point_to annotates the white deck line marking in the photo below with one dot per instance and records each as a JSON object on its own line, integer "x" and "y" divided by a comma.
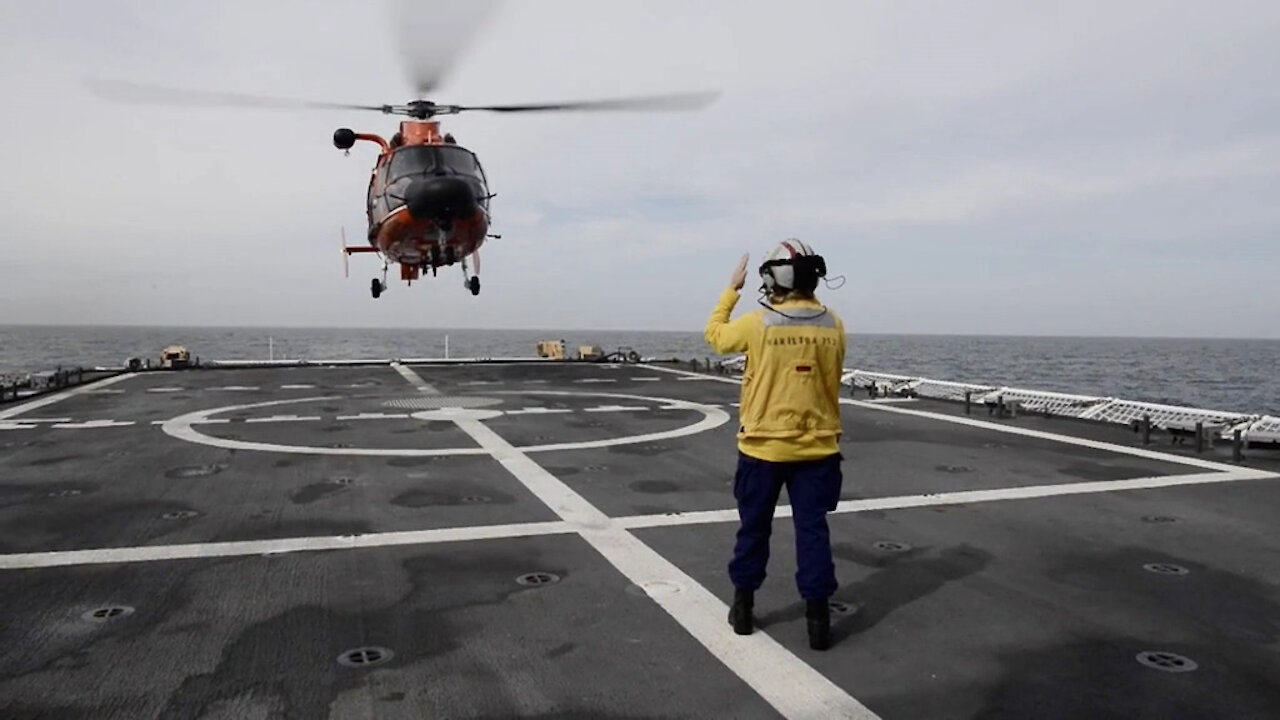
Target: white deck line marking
{"x": 539, "y": 411}
{"x": 616, "y": 408}
{"x": 597, "y": 380}
{"x": 90, "y": 424}
{"x": 487, "y": 532}
{"x": 284, "y": 418}
{"x": 16, "y": 426}
{"x": 147, "y": 553}
{"x": 298, "y": 386}
{"x": 1010, "y": 429}
{"x": 785, "y": 681}
{"x": 415, "y": 379}
{"x": 962, "y": 497}
{"x": 374, "y": 416}
{"x": 59, "y": 397}
{"x": 645, "y": 378}
{"x": 788, "y": 684}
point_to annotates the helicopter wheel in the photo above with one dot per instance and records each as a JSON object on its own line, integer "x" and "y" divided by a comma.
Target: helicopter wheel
{"x": 375, "y": 288}
{"x": 474, "y": 285}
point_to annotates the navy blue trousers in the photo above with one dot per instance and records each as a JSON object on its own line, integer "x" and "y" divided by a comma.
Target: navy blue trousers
{"x": 813, "y": 487}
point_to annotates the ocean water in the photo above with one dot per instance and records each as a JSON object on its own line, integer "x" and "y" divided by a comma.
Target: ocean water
{"x": 1219, "y": 374}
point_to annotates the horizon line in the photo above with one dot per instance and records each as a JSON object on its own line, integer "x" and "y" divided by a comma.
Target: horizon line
{"x": 881, "y": 333}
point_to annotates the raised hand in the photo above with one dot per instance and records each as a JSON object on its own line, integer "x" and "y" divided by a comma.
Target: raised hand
{"x": 739, "y": 277}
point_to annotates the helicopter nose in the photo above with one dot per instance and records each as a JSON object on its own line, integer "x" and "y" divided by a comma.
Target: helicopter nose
{"x": 440, "y": 198}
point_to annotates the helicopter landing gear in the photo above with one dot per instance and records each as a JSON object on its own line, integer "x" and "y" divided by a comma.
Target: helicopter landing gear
{"x": 471, "y": 282}
{"x": 376, "y": 286}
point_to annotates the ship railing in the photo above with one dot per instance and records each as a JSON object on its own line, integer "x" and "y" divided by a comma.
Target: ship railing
{"x": 734, "y": 364}
{"x": 1252, "y": 427}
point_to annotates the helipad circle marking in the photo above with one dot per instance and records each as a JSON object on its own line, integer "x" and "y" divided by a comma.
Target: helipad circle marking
{"x": 181, "y": 427}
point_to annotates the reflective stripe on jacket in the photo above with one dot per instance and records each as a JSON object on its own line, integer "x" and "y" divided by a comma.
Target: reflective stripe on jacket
{"x": 790, "y": 400}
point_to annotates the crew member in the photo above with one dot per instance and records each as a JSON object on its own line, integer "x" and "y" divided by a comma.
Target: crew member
{"x": 789, "y": 428}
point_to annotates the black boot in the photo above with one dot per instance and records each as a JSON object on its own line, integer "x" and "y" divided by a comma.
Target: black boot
{"x": 740, "y": 613}
{"x": 818, "y": 615}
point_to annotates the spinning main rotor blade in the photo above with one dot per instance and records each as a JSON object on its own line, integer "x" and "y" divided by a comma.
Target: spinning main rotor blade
{"x": 122, "y": 91}
{"x": 432, "y": 35}
{"x": 678, "y": 101}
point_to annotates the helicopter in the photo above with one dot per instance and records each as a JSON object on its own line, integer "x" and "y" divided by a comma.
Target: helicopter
{"x": 427, "y": 202}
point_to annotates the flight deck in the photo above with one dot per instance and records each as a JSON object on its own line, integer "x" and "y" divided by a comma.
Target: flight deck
{"x": 550, "y": 539}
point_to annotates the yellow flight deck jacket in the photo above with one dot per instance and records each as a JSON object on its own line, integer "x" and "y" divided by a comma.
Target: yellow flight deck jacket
{"x": 790, "y": 404}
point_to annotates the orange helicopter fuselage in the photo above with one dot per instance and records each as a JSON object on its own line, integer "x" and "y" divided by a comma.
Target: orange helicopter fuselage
{"x": 427, "y": 203}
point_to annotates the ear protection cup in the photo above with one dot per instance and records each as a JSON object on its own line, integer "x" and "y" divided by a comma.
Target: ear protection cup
{"x": 766, "y": 275}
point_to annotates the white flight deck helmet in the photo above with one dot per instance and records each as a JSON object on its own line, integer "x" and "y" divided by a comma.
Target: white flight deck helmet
{"x": 780, "y": 266}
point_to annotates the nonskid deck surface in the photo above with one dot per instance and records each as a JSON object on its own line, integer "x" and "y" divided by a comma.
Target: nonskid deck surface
{"x": 549, "y": 540}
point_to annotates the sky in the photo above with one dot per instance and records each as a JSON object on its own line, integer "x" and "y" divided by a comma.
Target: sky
{"x": 1049, "y": 168}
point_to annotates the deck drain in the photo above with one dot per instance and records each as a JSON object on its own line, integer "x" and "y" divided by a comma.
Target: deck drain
{"x": 839, "y": 608}
{"x": 1158, "y": 519}
{"x": 365, "y": 657}
{"x": 890, "y": 546}
{"x": 65, "y": 493}
{"x": 438, "y": 402}
{"x": 103, "y": 614}
{"x": 180, "y": 515}
{"x": 538, "y": 578}
{"x": 475, "y": 499}
{"x": 1167, "y": 661}
{"x": 953, "y": 468}
{"x": 1165, "y": 569}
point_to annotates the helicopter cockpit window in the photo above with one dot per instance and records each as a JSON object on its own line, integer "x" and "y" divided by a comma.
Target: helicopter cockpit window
{"x": 411, "y": 161}
{"x": 458, "y": 160}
